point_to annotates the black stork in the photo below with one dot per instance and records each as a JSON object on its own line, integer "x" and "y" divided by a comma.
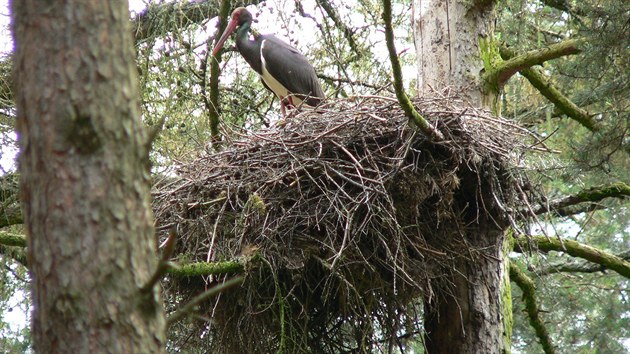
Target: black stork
{"x": 284, "y": 70}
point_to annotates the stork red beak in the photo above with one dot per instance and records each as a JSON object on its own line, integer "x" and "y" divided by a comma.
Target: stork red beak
{"x": 228, "y": 31}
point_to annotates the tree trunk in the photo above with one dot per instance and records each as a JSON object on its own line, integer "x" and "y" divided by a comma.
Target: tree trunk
{"x": 84, "y": 179}
{"x": 469, "y": 316}
{"x": 447, "y": 39}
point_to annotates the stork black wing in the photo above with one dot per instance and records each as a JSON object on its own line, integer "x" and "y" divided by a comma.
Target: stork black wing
{"x": 292, "y": 70}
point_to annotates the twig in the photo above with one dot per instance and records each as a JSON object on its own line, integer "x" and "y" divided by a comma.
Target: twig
{"x": 190, "y": 307}
{"x": 164, "y": 264}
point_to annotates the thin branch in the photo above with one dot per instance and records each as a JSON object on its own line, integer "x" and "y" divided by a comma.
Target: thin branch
{"x": 163, "y": 18}
{"x": 577, "y": 249}
{"x": 547, "y": 89}
{"x": 403, "y": 99}
{"x": 190, "y": 307}
{"x": 347, "y": 31}
{"x": 212, "y": 105}
{"x": 503, "y": 71}
{"x": 592, "y": 196}
{"x": 164, "y": 265}
{"x": 351, "y": 82}
{"x": 531, "y": 307}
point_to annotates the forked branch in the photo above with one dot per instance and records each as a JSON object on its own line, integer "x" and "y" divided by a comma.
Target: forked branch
{"x": 547, "y": 89}
{"x": 505, "y": 70}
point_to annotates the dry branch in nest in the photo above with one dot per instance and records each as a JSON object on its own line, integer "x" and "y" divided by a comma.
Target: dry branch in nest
{"x": 343, "y": 216}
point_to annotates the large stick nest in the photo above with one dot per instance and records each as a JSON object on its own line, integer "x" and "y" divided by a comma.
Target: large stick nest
{"x": 343, "y": 216}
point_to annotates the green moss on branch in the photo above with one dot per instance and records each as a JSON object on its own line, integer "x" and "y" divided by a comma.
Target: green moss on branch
{"x": 591, "y": 195}
{"x": 547, "y": 89}
{"x": 11, "y": 239}
{"x": 577, "y": 249}
{"x": 531, "y": 307}
{"x": 403, "y": 99}
{"x": 208, "y": 268}
{"x": 505, "y": 70}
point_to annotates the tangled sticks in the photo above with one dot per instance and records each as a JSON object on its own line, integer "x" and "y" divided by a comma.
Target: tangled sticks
{"x": 341, "y": 217}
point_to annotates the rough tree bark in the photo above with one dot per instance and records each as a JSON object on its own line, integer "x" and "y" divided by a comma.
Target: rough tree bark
{"x": 470, "y": 319}
{"x": 84, "y": 179}
{"x": 447, "y": 39}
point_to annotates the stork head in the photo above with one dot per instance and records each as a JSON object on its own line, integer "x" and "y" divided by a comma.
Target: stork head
{"x": 239, "y": 17}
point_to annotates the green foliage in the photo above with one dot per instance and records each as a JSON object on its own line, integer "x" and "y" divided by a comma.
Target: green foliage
{"x": 15, "y": 334}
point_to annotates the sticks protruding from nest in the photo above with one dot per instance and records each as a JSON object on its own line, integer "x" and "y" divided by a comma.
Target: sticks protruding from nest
{"x": 352, "y": 211}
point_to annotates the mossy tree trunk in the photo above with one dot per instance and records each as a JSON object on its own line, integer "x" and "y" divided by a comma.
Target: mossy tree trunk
{"x": 84, "y": 179}
{"x": 452, "y": 39}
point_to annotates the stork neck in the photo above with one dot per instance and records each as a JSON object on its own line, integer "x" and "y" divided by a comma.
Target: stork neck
{"x": 250, "y": 50}
{"x": 242, "y": 33}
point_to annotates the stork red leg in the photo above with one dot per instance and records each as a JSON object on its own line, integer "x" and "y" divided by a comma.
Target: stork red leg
{"x": 283, "y": 105}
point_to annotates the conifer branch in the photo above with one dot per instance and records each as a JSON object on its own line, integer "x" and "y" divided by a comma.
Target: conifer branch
{"x": 531, "y": 307}
{"x": 547, "y": 89}
{"x": 166, "y": 17}
{"x": 506, "y": 69}
{"x": 17, "y": 254}
{"x": 10, "y": 215}
{"x": 403, "y": 99}
{"x": 577, "y": 249}
{"x": 593, "y": 195}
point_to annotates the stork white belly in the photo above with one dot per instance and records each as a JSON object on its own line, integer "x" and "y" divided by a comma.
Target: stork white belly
{"x": 273, "y": 84}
